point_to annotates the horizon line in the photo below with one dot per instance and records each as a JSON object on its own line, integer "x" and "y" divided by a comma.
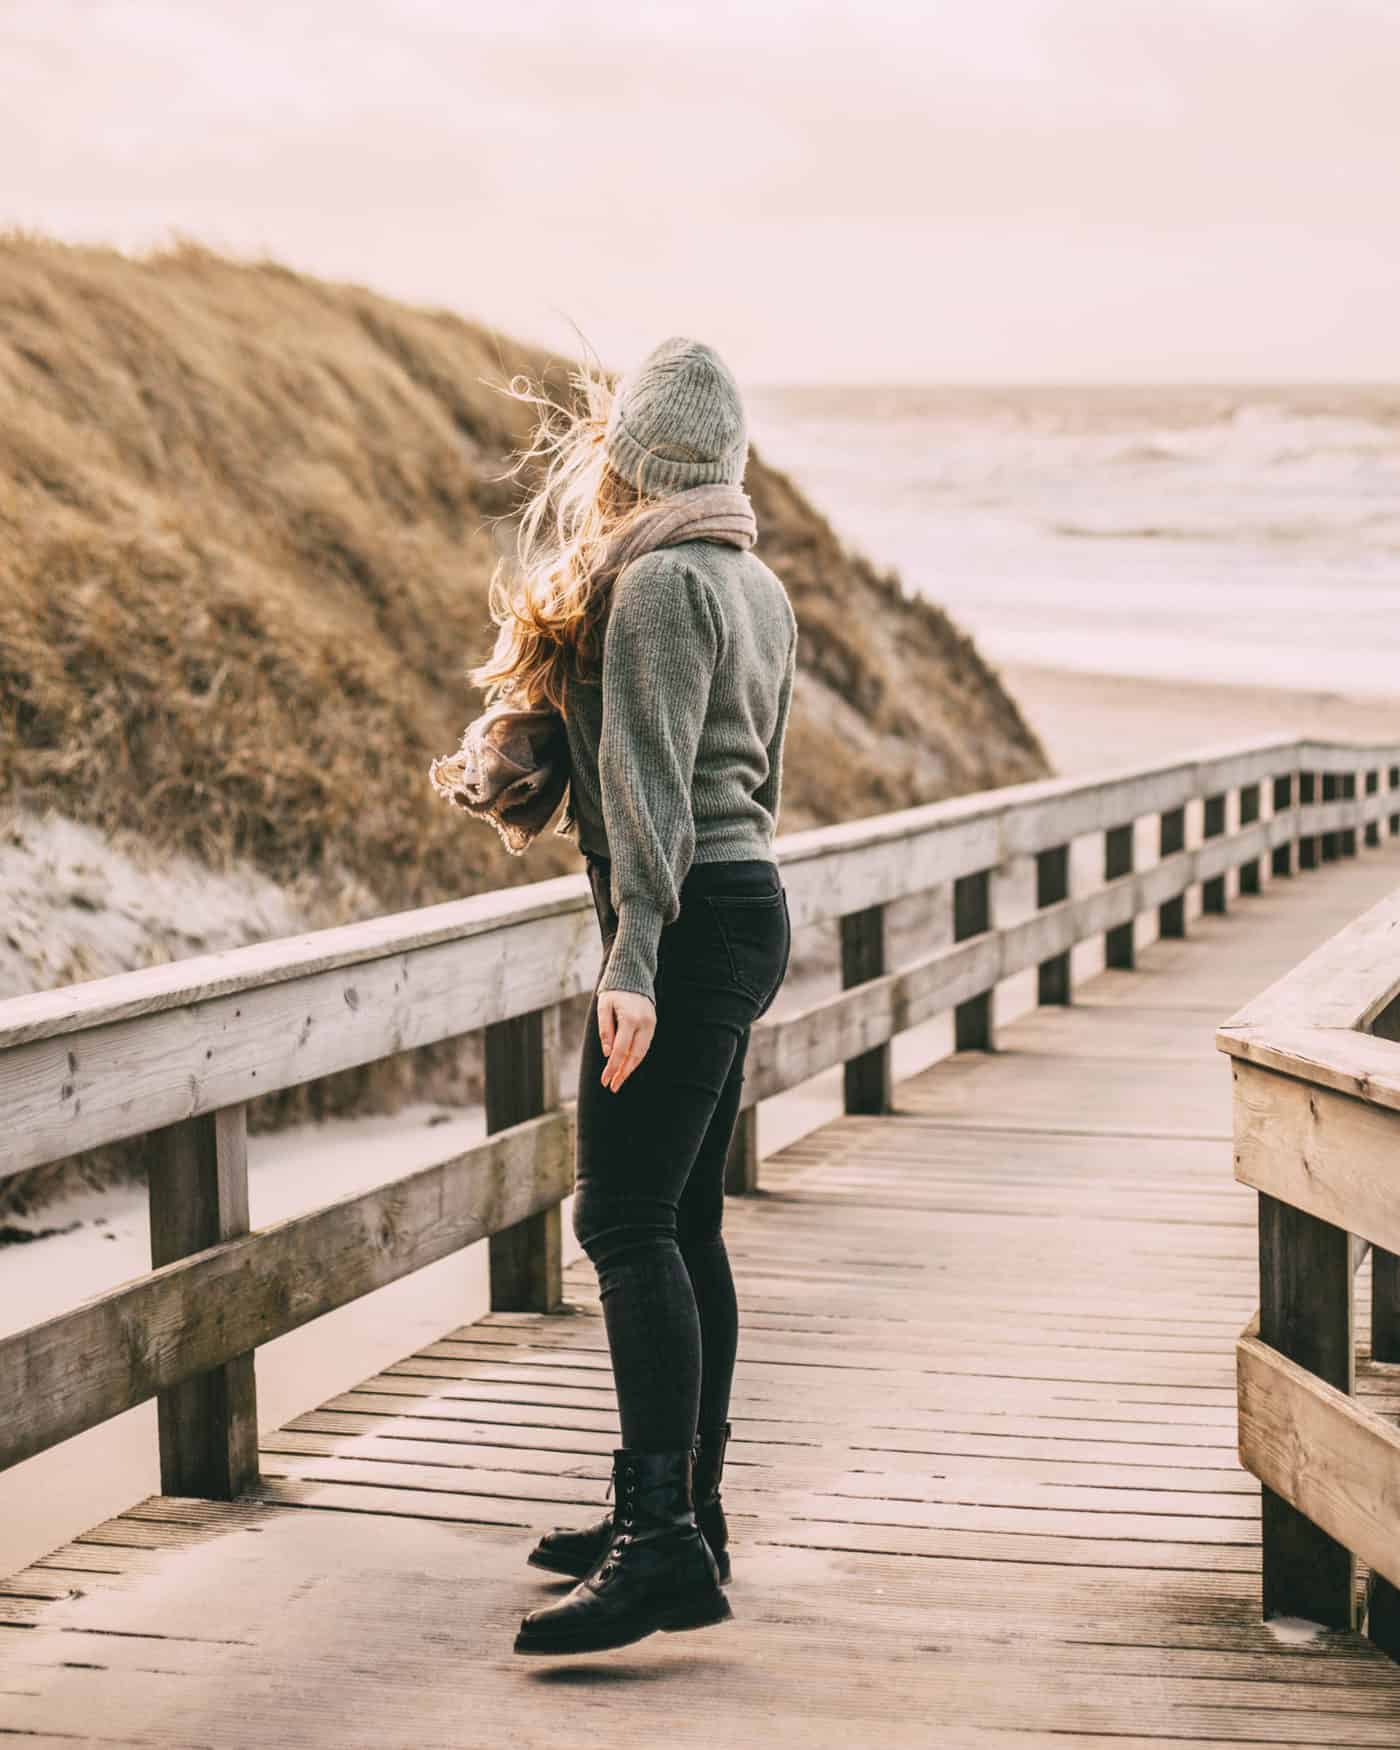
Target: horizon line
{"x": 916, "y": 383}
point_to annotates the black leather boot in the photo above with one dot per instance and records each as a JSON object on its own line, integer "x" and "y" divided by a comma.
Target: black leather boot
{"x": 573, "y": 1551}
{"x": 576, "y": 1551}
{"x": 657, "y": 1572}
{"x": 709, "y": 1514}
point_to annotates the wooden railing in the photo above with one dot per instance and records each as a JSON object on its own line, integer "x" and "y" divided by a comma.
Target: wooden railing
{"x": 1316, "y": 1068}
{"x": 174, "y": 1053}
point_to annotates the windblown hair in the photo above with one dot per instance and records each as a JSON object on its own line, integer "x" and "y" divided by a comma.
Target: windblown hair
{"x": 550, "y": 599}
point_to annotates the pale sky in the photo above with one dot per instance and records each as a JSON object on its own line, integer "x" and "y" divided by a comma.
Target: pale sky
{"x": 871, "y": 190}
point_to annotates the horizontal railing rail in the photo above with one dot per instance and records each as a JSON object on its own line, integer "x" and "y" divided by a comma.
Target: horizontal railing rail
{"x": 1316, "y": 1071}
{"x": 173, "y": 1055}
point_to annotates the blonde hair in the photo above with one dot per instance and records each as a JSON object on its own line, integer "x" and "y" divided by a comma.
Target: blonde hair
{"x": 548, "y": 603}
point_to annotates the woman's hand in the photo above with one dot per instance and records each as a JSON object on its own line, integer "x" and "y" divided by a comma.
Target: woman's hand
{"x": 626, "y": 1022}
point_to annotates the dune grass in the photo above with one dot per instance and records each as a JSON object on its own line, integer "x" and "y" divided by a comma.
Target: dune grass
{"x": 246, "y": 525}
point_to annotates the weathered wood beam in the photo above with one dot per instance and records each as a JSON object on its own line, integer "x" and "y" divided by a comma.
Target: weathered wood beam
{"x": 1119, "y": 860}
{"x": 1053, "y": 984}
{"x": 1326, "y": 1154}
{"x": 118, "y": 1349}
{"x": 1250, "y": 804}
{"x": 197, "y": 1187}
{"x": 972, "y": 917}
{"x": 1171, "y": 838}
{"x": 1305, "y": 1314}
{"x": 868, "y": 1078}
{"x": 1213, "y": 888}
{"x": 522, "y": 1081}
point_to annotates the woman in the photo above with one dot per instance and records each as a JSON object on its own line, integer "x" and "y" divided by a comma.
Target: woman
{"x": 669, "y": 647}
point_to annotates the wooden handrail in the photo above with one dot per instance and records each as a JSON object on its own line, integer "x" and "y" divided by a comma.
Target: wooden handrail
{"x": 174, "y": 1053}
{"x": 118, "y": 1057}
{"x": 1317, "y": 1135}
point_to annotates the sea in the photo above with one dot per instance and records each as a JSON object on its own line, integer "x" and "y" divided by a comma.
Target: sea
{"x": 1239, "y": 534}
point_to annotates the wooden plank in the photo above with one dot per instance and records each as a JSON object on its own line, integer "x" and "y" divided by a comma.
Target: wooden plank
{"x": 1118, "y": 860}
{"x": 118, "y": 1349}
{"x": 741, "y": 1162}
{"x": 1322, "y": 1152}
{"x": 1354, "y": 815}
{"x": 129, "y": 1077}
{"x": 972, "y": 917}
{"x": 1308, "y": 845}
{"x": 522, "y": 1082}
{"x": 1356, "y": 1064}
{"x": 1285, "y": 791}
{"x": 180, "y": 984}
{"x": 198, "y": 1196}
{"x": 1322, "y": 1452}
{"x": 1305, "y": 1314}
{"x": 1053, "y": 985}
{"x": 1343, "y": 756}
{"x": 1213, "y": 888}
{"x": 1345, "y": 983}
{"x": 1382, "y": 1621}
{"x": 833, "y": 871}
{"x": 867, "y": 1077}
{"x": 1171, "y": 913}
{"x": 1385, "y": 1305}
{"x": 1250, "y": 804}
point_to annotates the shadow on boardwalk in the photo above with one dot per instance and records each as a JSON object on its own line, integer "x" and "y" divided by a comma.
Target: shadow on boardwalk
{"x": 983, "y": 1489}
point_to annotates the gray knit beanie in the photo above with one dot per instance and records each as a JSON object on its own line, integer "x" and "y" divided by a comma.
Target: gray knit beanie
{"x": 677, "y": 421}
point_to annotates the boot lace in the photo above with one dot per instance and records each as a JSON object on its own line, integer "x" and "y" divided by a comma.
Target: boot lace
{"x": 622, "y": 1525}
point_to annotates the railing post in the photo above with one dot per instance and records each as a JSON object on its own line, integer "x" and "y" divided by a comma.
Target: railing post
{"x": 1171, "y": 914}
{"x": 972, "y": 916}
{"x": 1053, "y": 983}
{"x": 197, "y": 1184}
{"x": 741, "y": 1162}
{"x": 1383, "y": 1614}
{"x": 1307, "y": 842}
{"x": 1331, "y": 840}
{"x": 1348, "y": 833}
{"x": 1373, "y": 827}
{"x": 1281, "y": 862}
{"x": 1249, "y": 813}
{"x": 1305, "y": 1312}
{"x": 1118, "y": 859}
{"x": 1385, "y": 1266}
{"x": 522, "y": 1080}
{"x": 1383, "y": 1599}
{"x": 1213, "y": 890}
{"x": 1385, "y": 1305}
{"x": 868, "y": 1084}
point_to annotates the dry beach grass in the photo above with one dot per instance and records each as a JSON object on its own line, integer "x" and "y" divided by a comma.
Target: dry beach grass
{"x": 246, "y": 530}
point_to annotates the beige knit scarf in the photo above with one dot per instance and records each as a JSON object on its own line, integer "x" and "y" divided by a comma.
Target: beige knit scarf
{"x": 512, "y": 768}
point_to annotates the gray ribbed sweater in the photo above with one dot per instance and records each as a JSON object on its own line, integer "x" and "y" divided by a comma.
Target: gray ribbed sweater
{"x": 676, "y": 750}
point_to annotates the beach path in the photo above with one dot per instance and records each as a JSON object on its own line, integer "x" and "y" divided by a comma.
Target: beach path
{"x": 983, "y": 1488}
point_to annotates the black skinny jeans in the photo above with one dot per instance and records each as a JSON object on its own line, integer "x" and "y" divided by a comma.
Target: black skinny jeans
{"x": 649, "y": 1204}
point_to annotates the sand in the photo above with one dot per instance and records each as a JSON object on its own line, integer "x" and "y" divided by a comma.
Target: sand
{"x": 1087, "y": 721}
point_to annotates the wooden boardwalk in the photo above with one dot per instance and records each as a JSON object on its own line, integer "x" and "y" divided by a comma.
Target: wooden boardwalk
{"x": 984, "y": 1487}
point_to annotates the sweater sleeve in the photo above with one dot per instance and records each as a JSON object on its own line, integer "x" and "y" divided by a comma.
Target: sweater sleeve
{"x": 659, "y": 655}
{"x": 769, "y": 794}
